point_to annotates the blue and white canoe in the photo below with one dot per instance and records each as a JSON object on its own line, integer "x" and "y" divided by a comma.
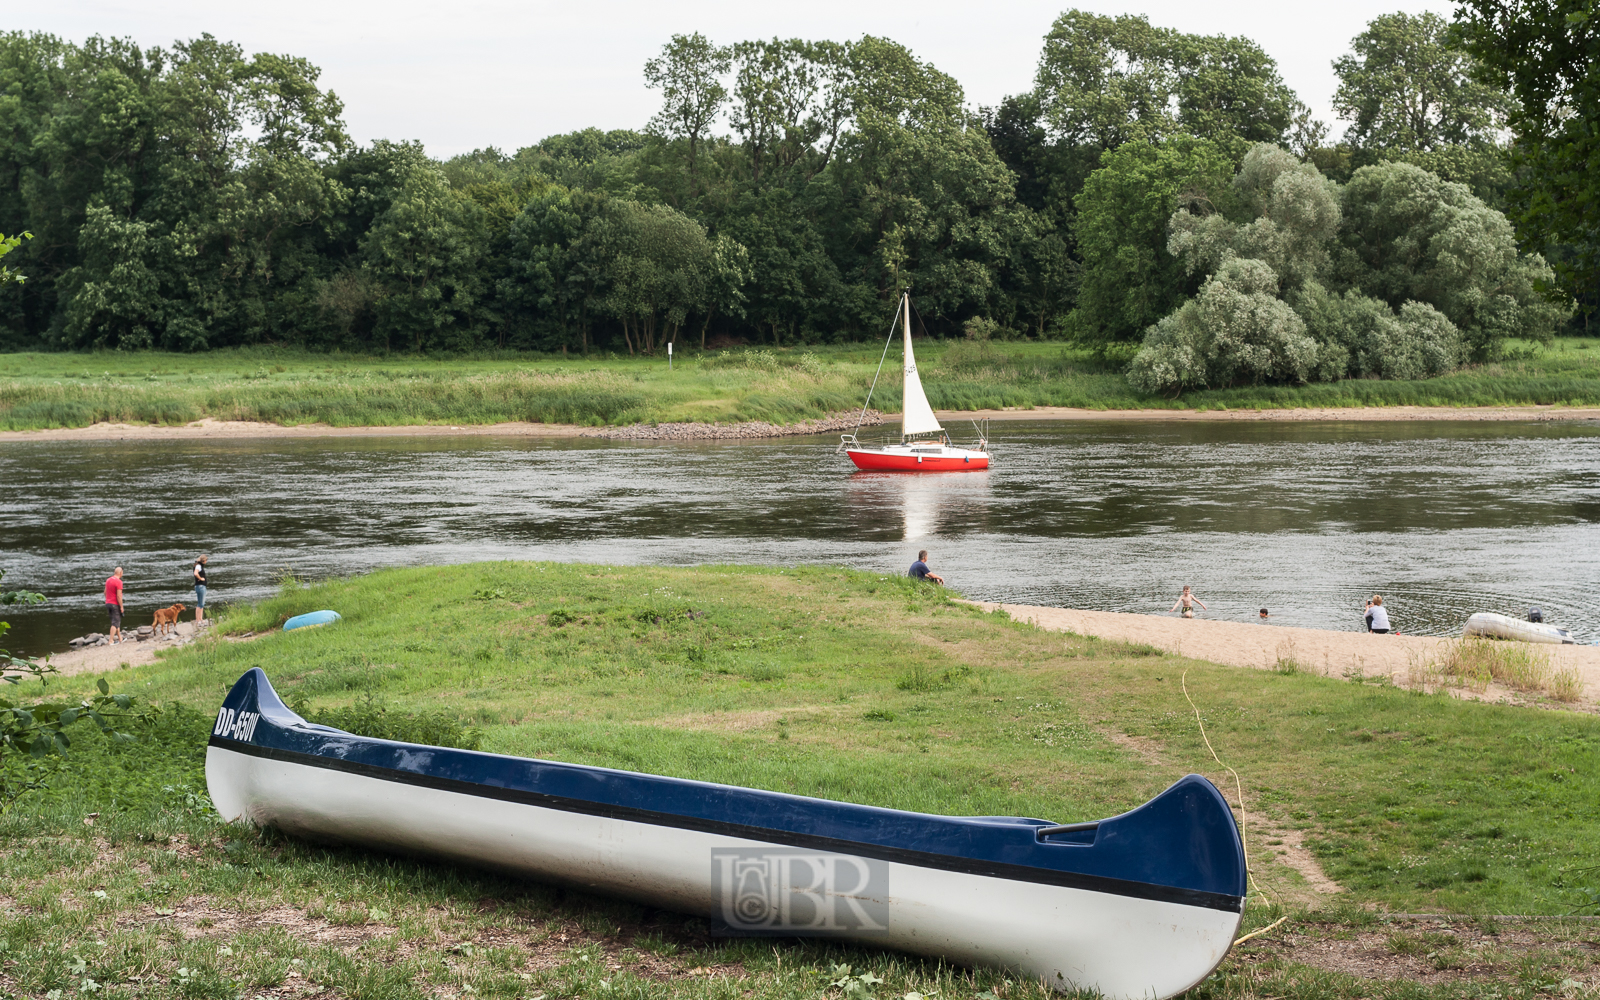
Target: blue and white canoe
{"x": 1141, "y": 905}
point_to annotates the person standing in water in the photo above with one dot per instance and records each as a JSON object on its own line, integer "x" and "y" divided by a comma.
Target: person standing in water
{"x": 200, "y": 589}
{"x": 1187, "y": 601}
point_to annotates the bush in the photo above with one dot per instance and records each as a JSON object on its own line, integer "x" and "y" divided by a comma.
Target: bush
{"x": 1373, "y": 342}
{"x": 1235, "y": 332}
{"x": 369, "y": 718}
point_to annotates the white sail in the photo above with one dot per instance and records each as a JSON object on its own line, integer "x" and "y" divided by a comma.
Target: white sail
{"x": 916, "y": 416}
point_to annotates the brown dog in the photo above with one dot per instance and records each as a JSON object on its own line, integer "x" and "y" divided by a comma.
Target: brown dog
{"x": 167, "y": 618}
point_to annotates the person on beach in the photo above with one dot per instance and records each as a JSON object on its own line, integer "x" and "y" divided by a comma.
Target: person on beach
{"x": 200, "y": 590}
{"x": 1377, "y": 618}
{"x": 114, "y": 603}
{"x": 1187, "y": 601}
{"x": 920, "y": 571}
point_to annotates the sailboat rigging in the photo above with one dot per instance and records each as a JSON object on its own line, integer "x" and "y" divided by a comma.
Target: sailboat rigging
{"x": 936, "y": 454}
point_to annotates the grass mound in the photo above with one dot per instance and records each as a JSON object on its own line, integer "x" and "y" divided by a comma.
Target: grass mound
{"x": 814, "y": 680}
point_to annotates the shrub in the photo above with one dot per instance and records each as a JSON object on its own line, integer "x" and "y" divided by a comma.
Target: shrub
{"x": 1372, "y": 341}
{"x": 369, "y": 718}
{"x": 1236, "y": 331}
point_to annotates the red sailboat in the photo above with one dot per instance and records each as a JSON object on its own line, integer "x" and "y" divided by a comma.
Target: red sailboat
{"x": 917, "y": 450}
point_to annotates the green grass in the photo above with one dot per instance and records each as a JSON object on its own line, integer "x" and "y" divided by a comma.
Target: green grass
{"x": 785, "y": 385}
{"x": 819, "y": 681}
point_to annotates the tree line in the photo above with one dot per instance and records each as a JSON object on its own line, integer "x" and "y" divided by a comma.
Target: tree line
{"x": 1148, "y": 187}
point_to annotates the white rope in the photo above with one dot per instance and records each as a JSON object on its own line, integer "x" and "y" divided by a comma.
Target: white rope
{"x": 1244, "y": 818}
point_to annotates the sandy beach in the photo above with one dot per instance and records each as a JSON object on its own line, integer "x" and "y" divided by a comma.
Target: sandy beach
{"x": 98, "y": 659}
{"x": 1363, "y": 414}
{"x": 1262, "y": 645}
{"x": 223, "y": 429}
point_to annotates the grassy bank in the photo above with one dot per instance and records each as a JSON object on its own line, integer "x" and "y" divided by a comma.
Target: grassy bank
{"x": 784, "y": 385}
{"x": 817, "y": 681}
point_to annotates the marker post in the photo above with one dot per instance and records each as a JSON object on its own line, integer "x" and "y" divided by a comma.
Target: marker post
{"x": 669, "y": 355}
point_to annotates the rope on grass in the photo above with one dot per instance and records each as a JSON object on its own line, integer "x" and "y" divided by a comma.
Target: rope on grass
{"x": 1244, "y": 817}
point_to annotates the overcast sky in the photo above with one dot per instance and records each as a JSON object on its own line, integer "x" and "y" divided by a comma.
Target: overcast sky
{"x": 468, "y": 73}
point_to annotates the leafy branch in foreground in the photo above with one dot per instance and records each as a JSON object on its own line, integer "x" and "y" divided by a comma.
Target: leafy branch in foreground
{"x": 7, "y": 661}
{"x": 33, "y": 737}
{"x": 8, "y": 244}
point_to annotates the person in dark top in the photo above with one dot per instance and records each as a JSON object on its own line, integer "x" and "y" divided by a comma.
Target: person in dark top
{"x": 200, "y": 589}
{"x": 920, "y": 570}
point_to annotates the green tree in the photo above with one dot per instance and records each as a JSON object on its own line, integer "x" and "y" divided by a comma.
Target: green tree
{"x": 792, "y": 281}
{"x": 660, "y": 264}
{"x": 1405, "y": 87}
{"x": 558, "y": 274}
{"x": 1547, "y": 54}
{"x": 1409, "y": 236}
{"x": 423, "y": 254}
{"x": 916, "y": 198}
{"x": 692, "y": 95}
{"x": 1236, "y": 331}
{"x": 1104, "y": 81}
{"x": 180, "y": 191}
{"x": 1130, "y": 279}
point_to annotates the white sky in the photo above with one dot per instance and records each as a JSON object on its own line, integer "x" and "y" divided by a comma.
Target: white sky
{"x": 473, "y": 73}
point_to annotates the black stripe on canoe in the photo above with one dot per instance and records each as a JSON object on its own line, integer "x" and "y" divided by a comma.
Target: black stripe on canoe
{"x": 761, "y": 834}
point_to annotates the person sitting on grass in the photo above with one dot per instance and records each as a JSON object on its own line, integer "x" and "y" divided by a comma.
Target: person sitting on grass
{"x": 1187, "y": 601}
{"x": 920, "y": 571}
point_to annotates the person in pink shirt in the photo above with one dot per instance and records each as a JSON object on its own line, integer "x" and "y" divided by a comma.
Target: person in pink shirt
{"x": 114, "y": 603}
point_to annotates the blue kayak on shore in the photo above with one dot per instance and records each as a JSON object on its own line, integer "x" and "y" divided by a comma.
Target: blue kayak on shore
{"x": 310, "y": 619}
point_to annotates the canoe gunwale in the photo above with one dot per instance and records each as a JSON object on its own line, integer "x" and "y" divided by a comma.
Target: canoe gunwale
{"x": 921, "y": 859}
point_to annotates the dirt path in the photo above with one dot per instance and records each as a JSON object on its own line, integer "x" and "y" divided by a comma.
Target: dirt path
{"x": 1263, "y": 646}
{"x": 97, "y": 659}
{"x": 223, "y": 429}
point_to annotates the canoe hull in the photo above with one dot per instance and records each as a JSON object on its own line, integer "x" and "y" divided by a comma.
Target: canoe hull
{"x": 1072, "y": 937}
{"x": 1123, "y": 939}
{"x": 1488, "y": 625}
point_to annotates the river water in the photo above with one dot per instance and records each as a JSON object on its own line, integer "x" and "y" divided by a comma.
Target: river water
{"x": 1306, "y": 519}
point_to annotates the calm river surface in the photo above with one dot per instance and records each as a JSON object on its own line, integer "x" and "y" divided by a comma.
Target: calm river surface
{"x": 1306, "y": 519}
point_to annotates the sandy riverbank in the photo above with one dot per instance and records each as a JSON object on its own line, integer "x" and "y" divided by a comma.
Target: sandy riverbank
{"x": 1262, "y": 645}
{"x": 225, "y": 429}
{"x": 1364, "y": 414}
{"x": 98, "y": 659}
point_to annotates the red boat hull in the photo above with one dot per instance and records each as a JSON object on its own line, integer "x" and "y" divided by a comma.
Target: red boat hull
{"x": 878, "y": 461}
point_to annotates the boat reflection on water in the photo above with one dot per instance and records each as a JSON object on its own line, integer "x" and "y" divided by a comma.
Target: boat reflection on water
{"x": 926, "y": 505}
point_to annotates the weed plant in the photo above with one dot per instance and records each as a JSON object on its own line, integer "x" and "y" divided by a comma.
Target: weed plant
{"x": 1475, "y": 663}
{"x": 813, "y": 680}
